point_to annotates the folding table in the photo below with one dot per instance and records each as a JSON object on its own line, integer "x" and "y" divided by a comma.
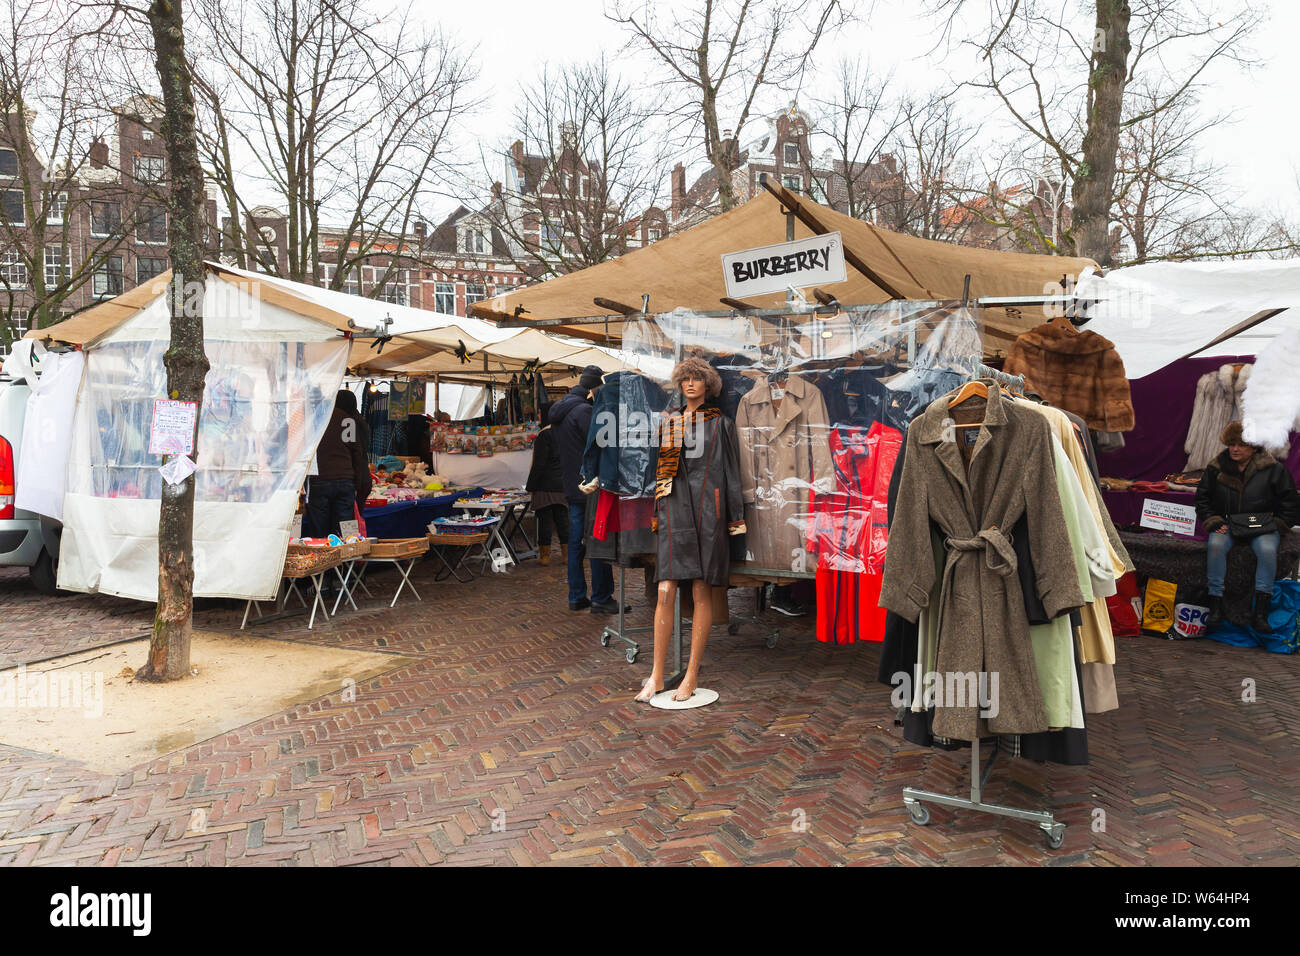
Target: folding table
{"x": 512, "y": 509}
{"x": 463, "y": 544}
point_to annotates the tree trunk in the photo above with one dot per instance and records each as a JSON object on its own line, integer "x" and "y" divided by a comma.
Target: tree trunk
{"x": 186, "y": 363}
{"x": 1094, "y": 182}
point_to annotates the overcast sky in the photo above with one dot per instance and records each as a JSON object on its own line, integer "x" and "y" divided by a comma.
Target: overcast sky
{"x": 516, "y": 37}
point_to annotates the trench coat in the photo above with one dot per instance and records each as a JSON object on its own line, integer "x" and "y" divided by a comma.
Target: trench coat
{"x": 982, "y": 624}
{"x": 693, "y": 518}
{"x": 785, "y": 458}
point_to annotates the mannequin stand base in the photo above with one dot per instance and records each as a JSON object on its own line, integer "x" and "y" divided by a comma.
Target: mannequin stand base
{"x": 701, "y": 698}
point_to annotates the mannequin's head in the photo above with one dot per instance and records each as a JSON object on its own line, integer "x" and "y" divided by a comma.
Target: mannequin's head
{"x": 697, "y": 379}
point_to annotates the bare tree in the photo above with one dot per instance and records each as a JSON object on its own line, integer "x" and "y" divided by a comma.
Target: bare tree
{"x": 718, "y": 56}
{"x": 859, "y": 120}
{"x": 598, "y": 164}
{"x": 336, "y": 108}
{"x": 1062, "y": 80}
{"x": 54, "y": 164}
{"x": 932, "y": 146}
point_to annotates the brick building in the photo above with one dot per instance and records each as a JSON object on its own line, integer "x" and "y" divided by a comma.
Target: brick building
{"x": 73, "y": 237}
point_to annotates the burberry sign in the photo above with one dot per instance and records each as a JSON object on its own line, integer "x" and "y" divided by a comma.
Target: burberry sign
{"x": 818, "y": 260}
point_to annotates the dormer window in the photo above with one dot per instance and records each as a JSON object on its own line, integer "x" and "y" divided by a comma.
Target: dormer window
{"x": 474, "y": 240}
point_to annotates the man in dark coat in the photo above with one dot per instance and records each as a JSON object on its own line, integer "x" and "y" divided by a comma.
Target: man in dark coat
{"x": 570, "y": 419}
{"x": 343, "y": 470}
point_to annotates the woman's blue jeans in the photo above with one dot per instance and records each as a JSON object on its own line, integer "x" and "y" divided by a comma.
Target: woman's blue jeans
{"x": 1265, "y": 548}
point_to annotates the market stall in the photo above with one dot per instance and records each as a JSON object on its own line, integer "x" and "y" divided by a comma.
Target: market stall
{"x": 820, "y": 385}
{"x": 276, "y": 362}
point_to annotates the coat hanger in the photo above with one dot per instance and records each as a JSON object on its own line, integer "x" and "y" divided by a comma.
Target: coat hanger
{"x": 968, "y": 391}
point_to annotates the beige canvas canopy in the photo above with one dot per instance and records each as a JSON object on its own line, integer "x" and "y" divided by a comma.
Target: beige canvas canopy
{"x": 685, "y": 270}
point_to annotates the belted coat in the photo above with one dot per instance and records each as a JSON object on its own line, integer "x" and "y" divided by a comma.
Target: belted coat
{"x": 973, "y": 485}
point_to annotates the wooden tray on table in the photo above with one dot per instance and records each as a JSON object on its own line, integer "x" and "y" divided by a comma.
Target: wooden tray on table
{"x": 398, "y": 547}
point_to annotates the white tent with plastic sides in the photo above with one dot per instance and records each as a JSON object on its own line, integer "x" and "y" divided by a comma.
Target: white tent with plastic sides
{"x": 277, "y": 361}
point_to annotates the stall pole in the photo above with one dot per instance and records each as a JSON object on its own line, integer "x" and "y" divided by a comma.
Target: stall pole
{"x": 437, "y": 403}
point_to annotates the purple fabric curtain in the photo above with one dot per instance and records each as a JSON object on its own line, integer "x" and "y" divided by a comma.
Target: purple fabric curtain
{"x": 1162, "y": 407}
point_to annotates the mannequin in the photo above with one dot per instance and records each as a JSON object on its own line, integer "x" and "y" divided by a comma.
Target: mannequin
{"x": 698, "y": 506}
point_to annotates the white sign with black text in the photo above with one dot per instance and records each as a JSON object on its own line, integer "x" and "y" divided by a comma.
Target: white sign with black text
{"x": 1167, "y": 516}
{"x": 818, "y": 260}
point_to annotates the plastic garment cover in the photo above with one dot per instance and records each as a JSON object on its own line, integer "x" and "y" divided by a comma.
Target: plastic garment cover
{"x": 267, "y": 398}
{"x": 623, "y": 438}
{"x": 791, "y": 380}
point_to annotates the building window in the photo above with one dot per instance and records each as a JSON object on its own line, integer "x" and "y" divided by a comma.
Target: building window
{"x": 652, "y": 235}
{"x": 444, "y": 298}
{"x": 106, "y": 219}
{"x": 107, "y": 280}
{"x": 475, "y": 241}
{"x": 791, "y": 154}
{"x": 11, "y": 207}
{"x": 146, "y": 135}
{"x": 394, "y": 292}
{"x": 148, "y": 267}
{"x": 792, "y": 183}
{"x": 474, "y": 292}
{"x": 152, "y": 227}
{"x": 13, "y": 270}
{"x": 58, "y": 208}
{"x": 18, "y": 325}
{"x": 56, "y": 266}
{"x": 8, "y": 162}
{"x": 150, "y": 169}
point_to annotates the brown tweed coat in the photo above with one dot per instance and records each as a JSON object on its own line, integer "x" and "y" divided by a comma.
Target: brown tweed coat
{"x": 974, "y": 490}
{"x": 1076, "y": 371}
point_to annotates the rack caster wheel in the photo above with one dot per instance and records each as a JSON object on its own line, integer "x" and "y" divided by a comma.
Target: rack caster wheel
{"x": 733, "y": 628}
{"x": 919, "y": 813}
{"x": 631, "y": 656}
{"x": 773, "y": 638}
{"x": 1055, "y": 836}
{"x": 604, "y": 640}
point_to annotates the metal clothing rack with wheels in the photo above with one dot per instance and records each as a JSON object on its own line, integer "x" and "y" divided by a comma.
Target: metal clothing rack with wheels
{"x": 915, "y": 800}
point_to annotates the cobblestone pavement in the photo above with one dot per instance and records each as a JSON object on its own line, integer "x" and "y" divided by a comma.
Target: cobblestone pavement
{"x": 513, "y": 741}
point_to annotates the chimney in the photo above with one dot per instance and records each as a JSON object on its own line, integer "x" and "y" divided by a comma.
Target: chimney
{"x": 517, "y": 154}
{"x": 679, "y": 190}
{"x": 568, "y": 133}
{"x": 420, "y": 230}
{"x": 497, "y": 193}
{"x": 98, "y": 153}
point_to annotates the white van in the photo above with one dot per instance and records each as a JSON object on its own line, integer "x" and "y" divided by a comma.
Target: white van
{"x": 27, "y": 540}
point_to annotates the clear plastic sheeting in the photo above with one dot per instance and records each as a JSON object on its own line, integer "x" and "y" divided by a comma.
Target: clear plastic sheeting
{"x": 267, "y": 398}
{"x": 820, "y": 403}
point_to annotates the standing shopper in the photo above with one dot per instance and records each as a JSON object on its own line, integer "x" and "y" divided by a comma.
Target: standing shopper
{"x": 1245, "y": 496}
{"x": 343, "y": 478}
{"x": 546, "y": 483}
{"x": 570, "y": 419}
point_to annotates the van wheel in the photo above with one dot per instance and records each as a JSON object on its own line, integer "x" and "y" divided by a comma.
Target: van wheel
{"x": 44, "y": 574}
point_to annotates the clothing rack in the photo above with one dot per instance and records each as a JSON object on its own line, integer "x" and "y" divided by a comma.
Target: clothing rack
{"x": 915, "y": 800}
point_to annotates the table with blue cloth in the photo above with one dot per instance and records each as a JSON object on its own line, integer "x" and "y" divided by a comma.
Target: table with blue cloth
{"x": 410, "y": 519}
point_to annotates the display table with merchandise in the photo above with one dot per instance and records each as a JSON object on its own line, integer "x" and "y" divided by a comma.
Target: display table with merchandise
{"x": 508, "y": 469}
{"x": 511, "y": 506}
{"x": 410, "y": 519}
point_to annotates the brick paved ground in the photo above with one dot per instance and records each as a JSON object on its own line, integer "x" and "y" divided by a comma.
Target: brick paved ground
{"x": 515, "y": 715}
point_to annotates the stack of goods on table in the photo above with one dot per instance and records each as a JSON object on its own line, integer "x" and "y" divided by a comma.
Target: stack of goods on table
{"x": 311, "y": 555}
{"x": 484, "y": 441}
{"x": 397, "y": 479}
{"x": 474, "y": 525}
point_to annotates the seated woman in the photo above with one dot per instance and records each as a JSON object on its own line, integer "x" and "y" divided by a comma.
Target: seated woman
{"x": 1245, "y": 481}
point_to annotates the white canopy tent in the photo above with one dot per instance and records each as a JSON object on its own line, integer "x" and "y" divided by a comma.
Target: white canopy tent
{"x": 276, "y": 363}
{"x": 1163, "y": 311}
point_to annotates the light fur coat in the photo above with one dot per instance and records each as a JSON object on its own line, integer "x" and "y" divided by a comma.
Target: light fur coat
{"x": 1218, "y": 401}
{"x": 1271, "y": 404}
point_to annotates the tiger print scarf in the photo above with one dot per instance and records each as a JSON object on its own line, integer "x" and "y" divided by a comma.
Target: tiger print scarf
{"x": 672, "y": 435}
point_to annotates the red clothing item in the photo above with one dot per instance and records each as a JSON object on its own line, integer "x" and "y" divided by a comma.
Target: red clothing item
{"x": 850, "y": 533}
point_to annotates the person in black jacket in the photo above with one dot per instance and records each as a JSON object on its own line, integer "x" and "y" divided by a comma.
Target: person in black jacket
{"x": 343, "y": 470}
{"x": 546, "y": 483}
{"x": 1244, "y": 480}
{"x": 570, "y": 419}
